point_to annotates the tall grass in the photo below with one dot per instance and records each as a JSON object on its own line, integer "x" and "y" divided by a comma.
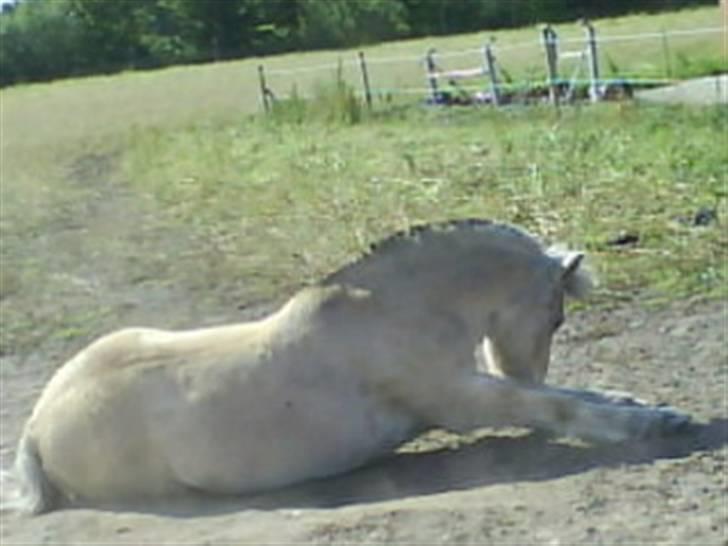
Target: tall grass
{"x": 287, "y": 202}
{"x": 334, "y": 101}
{"x": 49, "y": 115}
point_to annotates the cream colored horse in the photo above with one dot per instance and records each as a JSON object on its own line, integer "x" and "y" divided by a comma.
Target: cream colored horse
{"x": 343, "y": 373}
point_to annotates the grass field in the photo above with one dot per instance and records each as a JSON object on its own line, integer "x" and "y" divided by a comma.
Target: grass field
{"x": 279, "y": 202}
{"x": 296, "y": 201}
{"x": 37, "y": 115}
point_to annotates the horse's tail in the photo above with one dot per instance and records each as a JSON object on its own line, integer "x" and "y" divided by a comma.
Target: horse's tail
{"x": 26, "y": 488}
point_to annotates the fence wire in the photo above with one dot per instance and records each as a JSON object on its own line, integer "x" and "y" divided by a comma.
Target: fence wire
{"x": 347, "y": 66}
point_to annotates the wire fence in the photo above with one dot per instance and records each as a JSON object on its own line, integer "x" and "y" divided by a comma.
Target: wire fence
{"x": 537, "y": 63}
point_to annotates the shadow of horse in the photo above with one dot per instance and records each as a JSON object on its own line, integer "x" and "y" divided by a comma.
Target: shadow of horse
{"x": 489, "y": 461}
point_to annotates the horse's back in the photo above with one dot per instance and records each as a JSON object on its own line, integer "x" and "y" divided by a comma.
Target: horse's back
{"x": 305, "y": 411}
{"x": 94, "y": 424}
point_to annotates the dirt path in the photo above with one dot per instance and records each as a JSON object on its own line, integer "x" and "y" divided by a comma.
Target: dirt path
{"x": 504, "y": 488}
{"x": 711, "y": 90}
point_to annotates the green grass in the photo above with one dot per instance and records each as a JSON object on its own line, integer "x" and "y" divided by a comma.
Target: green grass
{"x": 44, "y": 124}
{"x": 100, "y": 107}
{"x": 286, "y": 203}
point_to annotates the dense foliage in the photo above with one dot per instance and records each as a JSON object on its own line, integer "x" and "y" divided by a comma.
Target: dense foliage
{"x": 46, "y": 39}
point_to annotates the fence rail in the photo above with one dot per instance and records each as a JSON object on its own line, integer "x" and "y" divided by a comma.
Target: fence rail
{"x": 362, "y": 69}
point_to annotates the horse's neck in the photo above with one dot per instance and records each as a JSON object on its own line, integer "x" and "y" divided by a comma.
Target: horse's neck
{"x": 395, "y": 278}
{"x": 450, "y": 290}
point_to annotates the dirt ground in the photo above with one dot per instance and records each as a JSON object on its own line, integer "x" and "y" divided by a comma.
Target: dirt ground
{"x": 111, "y": 258}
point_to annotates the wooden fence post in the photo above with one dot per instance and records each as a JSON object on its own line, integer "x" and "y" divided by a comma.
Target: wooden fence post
{"x": 550, "y": 43}
{"x": 263, "y": 89}
{"x": 594, "y": 94}
{"x": 492, "y": 75}
{"x": 365, "y": 80}
{"x": 666, "y": 55}
{"x": 431, "y": 71}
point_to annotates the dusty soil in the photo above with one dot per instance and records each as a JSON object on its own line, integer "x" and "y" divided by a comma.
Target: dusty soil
{"x": 110, "y": 257}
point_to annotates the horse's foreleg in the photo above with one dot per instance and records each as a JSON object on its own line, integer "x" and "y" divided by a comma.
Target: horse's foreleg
{"x": 477, "y": 401}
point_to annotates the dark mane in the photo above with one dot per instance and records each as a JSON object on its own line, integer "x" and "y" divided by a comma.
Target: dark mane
{"x": 420, "y": 232}
{"x": 413, "y": 232}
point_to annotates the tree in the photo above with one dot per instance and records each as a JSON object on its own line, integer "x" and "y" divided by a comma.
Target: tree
{"x": 44, "y": 39}
{"x": 40, "y": 40}
{"x": 111, "y": 31}
{"x": 338, "y": 23}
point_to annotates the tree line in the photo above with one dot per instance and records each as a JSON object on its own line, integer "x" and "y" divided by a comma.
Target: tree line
{"x": 48, "y": 39}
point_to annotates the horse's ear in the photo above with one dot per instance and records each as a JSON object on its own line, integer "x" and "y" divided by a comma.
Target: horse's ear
{"x": 577, "y": 281}
{"x": 570, "y": 263}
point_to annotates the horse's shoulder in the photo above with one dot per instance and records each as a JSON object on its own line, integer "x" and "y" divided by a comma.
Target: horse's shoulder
{"x": 326, "y": 305}
{"x": 120, "y": 339}
{"x": 339, "y": 296}
{"x": 121, "y": 344}
{"x": 329, "y": 297}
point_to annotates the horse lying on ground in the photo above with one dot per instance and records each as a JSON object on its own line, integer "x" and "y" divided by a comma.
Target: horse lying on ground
{"x": 344, "y": 372}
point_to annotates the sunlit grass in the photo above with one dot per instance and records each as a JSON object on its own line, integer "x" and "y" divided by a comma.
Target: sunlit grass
{"x": 41, "y": 115}
{"x": 287, "y": 203}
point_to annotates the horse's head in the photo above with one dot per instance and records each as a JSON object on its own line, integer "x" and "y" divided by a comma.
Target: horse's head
{"x": 495, "y": 278}
{"x": 519, "y": 333}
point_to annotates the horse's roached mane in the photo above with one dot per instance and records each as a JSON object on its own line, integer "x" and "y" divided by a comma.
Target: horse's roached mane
{"x": 414, "y": 232}
{"x": 419, "y": 232}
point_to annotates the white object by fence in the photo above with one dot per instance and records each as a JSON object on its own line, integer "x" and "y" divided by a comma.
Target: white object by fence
{"x": 487, "y": 69}
{"x": 588, "y": 54}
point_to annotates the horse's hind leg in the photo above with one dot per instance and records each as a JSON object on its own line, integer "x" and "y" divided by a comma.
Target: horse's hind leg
{"x": 475, "y": 401}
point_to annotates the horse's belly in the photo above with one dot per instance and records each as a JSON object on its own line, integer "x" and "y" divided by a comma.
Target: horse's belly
{"x": 253, "y": 444}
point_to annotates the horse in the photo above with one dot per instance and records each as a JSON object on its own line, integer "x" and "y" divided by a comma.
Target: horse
{"x": 343, "y": 373}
